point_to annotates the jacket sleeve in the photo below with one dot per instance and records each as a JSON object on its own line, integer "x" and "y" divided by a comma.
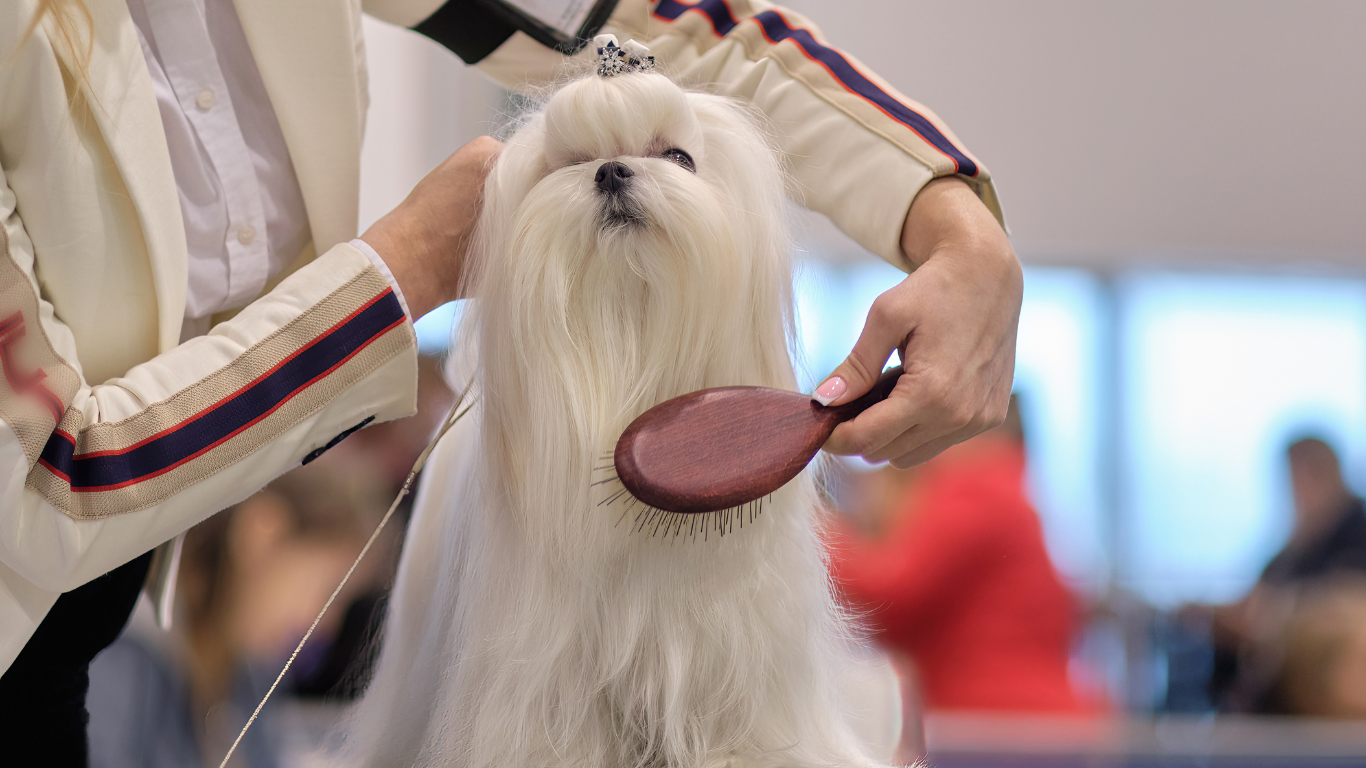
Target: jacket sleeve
{"x": 93, "y": 474}
{"x": 858, "y": 150}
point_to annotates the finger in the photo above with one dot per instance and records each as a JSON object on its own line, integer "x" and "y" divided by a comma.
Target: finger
{"x": 926, "y": 438}
{"x": 924, "y": 407}
{"x": 883, "y": 331}
{"x": 905, "y": 442}
{"x": 873, "y": 429}
{"x": 938, "y": 428}
{"x": 924, "y": 452}
{"x": 933, "y": 431}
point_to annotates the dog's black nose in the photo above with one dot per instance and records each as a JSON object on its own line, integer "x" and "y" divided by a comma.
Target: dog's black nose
{"x": 612, "y": 176}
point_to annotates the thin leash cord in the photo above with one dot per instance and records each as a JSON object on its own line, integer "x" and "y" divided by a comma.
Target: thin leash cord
{"x": 451, "y": 418}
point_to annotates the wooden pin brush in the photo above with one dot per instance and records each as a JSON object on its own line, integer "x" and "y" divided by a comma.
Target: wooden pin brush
{"x": 720, "y": 448}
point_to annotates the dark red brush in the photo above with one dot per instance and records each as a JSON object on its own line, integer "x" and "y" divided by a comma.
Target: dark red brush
{"x": 720, "y": 448}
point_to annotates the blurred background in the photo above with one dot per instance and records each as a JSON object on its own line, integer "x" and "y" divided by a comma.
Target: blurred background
{"x": 1182, "y": 181}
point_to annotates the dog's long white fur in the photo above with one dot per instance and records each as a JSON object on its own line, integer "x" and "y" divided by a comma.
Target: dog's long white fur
{"x": 530, "y": 626}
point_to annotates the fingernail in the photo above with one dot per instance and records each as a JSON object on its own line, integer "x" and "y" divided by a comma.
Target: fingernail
{"x": 826, "y": 393}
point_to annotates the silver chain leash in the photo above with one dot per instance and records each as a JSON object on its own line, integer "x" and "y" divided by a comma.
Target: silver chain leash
{"x": 451, "y": 418}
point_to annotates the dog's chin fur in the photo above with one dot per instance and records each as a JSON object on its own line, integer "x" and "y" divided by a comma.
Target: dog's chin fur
{"x": 532, "y": 624}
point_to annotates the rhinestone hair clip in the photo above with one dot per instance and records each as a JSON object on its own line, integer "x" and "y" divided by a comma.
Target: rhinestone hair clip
{"x": 616, "y": 59}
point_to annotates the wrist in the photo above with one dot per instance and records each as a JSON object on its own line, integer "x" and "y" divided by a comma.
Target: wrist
{"x": 951, "y": 227}
{"x": 404, "y": 252}
{"x": 947, "y": 217}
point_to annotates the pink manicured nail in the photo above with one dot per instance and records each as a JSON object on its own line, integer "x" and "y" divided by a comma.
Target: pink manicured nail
{"x": 829, "y": 391}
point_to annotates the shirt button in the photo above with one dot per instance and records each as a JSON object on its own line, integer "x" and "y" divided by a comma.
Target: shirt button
{"x": 246, "y": 234}
{"x": 204, "y": 100}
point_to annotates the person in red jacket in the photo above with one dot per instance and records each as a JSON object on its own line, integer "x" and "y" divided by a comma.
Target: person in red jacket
{"x": 961, "y": 585}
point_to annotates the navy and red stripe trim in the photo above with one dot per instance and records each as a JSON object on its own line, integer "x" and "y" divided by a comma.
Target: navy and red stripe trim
{"x": 170, "y": 448}
{"x": 718, "y": 11}
{"x": 776, "y": 29}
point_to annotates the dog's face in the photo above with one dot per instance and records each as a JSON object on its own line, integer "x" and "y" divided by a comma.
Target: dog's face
{"x": 634, "y": 139}
{"x": 632, "y": 248}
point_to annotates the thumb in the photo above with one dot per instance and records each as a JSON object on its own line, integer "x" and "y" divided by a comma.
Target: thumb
{"x": 861, "y": 369}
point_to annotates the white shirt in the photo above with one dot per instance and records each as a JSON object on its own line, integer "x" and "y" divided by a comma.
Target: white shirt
{"x": 240, "y": 201}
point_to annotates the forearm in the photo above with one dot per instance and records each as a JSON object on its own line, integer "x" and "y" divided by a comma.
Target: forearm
{"x": 139, "y": 459}
{"x": 948, "y": 216}
{"x": 949, "y": 224}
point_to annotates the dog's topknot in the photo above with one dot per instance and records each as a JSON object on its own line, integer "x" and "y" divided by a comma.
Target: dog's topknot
{"x": 614, "y": 60}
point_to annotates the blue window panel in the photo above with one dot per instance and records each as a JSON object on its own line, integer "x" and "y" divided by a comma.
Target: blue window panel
{"x": 1219, "y": 373}
{"x": 832, "y": 304}
{"x": 435, "y": 328}
{"x": 1057, "y": 379}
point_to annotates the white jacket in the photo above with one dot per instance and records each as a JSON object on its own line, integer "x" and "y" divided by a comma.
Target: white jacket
{"x": 115, "y": 438}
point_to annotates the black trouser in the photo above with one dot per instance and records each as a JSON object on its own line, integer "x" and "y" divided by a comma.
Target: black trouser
{"x": 42, "y": 694}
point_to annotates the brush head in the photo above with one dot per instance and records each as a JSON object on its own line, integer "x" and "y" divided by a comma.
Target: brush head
{"x": 720, "y": 448}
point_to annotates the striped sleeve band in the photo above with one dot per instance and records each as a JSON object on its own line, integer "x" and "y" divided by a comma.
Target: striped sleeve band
{"x": 112, "y": 468}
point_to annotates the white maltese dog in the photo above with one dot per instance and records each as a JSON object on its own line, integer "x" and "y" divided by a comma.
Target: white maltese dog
{"x": 632, "y": 248}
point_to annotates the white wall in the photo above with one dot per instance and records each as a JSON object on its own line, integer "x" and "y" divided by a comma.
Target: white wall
{"x": 424, "y": 104}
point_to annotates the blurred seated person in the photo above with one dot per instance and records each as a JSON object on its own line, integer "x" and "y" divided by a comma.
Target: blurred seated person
{"x": 251, "y": 581}
{"x": 1327, "y": 541}
{"x": 960, "y": 584}
{"x": 1329, "y": 535}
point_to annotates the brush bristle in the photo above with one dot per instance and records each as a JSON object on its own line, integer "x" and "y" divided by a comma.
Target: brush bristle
{"x": 660, "y": 522}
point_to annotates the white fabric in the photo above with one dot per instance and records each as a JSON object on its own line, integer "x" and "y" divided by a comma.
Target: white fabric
{"x": 240, "y": 202}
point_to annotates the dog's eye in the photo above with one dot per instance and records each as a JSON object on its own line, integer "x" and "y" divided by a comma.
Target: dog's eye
{"x": 679, "y": 156}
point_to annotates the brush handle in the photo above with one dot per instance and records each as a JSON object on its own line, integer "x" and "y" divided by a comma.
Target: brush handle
{"x": 842, "y": 413}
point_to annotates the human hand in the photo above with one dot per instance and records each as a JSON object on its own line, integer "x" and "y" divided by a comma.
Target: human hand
{"x": 423, "y": 241}
{"x": 953, "y": 320}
